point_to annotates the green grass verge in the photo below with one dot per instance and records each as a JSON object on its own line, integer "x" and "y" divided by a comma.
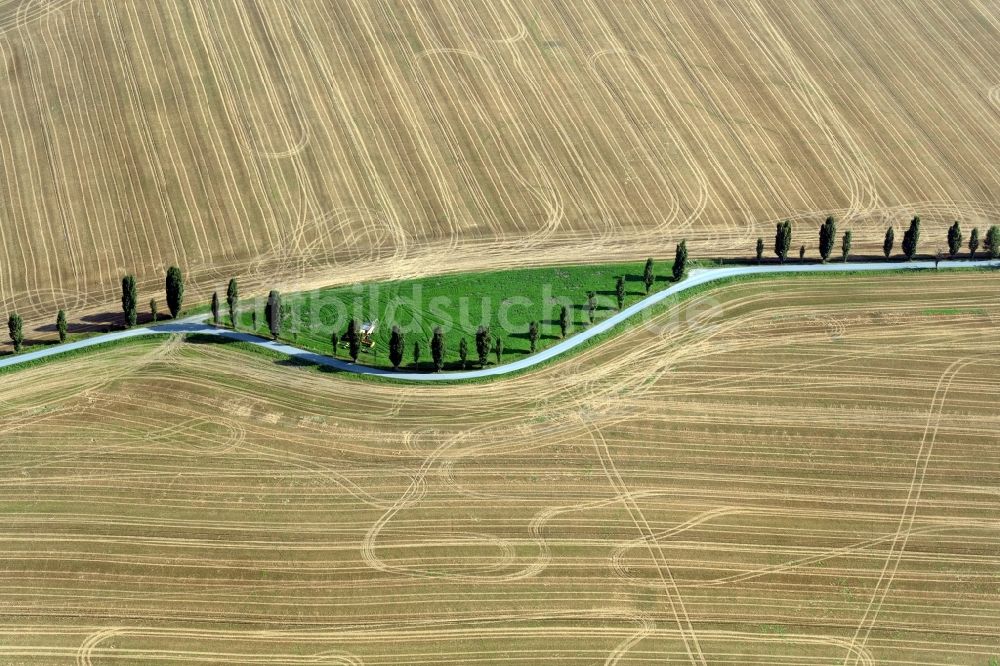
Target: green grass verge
{"x": 507, "y": 301}
{"x": 941, "y": 312}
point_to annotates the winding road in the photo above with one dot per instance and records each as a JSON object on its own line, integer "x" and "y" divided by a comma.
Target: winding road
{"x": 697, "y": 277}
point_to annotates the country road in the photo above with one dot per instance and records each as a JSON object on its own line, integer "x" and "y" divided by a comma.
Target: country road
{"x": 697, "y": 277}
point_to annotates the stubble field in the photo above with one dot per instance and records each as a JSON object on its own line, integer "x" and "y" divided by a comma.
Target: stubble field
{"x": 301, "y": 143}
{"x": 789, "y": 471}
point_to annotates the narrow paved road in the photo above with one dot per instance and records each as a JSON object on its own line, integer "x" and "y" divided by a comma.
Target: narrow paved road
{"x": 696, "y": 278}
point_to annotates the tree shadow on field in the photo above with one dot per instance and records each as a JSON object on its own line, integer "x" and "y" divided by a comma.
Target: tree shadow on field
{"x": 104, "y": 322}
{"x": 106, "y": 318}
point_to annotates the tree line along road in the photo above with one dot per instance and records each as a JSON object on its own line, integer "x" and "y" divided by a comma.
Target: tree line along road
{"x": 697, "y": 277}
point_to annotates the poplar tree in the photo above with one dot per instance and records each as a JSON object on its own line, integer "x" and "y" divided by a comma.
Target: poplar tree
{"x": 845, "y": 246}
{"x": 416, "y": 354}
{"x": 533, "y": 335}
{"x": 437, "y": 349}
{"x": 954, "y": 239}
{"x": 647, "y": 275}
{"x": 15, "y": 326}
{"x": 483, "y": 345}
{"x": 782, "y": 240}
{"x": 272, "y": 312}
{"x": 498, "y": 349}
{"x": 973, "y": 242}
{"x": 61, "y": 325}
{"x": 175, "y": 291}
{"x": 890, "y": 240}
{"x": 827, "y": 234}
{"x": 130, "y": 300}
{"x": 215, "y": 307}
{"x": 591, "y": 304}
{"x": 397, "y": 344}
{"x": 992, "y": 243}
{"x": 154, "y": 309}
{"x": 760, "y": 249}
{"x": 233, "y": 301}
{"x": 911, "y": 237}
{"x": 680, "y": 260}
{"x": 563, "y": 321}
{"x": 353, "y": 337}
{"x": 620, "y": 291}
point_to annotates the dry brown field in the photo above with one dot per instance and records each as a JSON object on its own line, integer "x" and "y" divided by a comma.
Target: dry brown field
{"x": 316, "y": 141}
{"x": 786, "y": 471}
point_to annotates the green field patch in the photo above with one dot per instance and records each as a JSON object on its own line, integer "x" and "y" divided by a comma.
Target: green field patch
{"x": 952, "y": 312}
{"x": 506, "y": 301}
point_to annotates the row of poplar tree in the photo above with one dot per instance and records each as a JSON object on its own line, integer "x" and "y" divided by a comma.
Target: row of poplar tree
{"x": 485, "y": 341}
{"x": 130, "y": 305}
{"x": 911, "y": 237}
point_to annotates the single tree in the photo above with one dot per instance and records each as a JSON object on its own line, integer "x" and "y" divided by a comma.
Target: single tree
{"x": 680, "y": 260}
{"x": 911, "y": 237}
{"x": 463, "y": 351}
{"x": 130, "y": 300}
{"x": 272, "y": 312}
{"x": 397, "y": 344}
{"x": 498, "y": 349}
{"x": 992, "y": 243}
{"x": 827, "y": 235}
{"x": 591, "y": 306}
{"x": 253, "y": 320}
{"x": 233, "y": 301}
{"x": 154, "y": 309}
{"x": 954, "y": 239}
{"x": 15, "y": 325}
{"x": 760, "y": 249}
{"x": 533, "y": 335}
{"x": 845, "y": 246}
{"x": 973, "y": 242}
{"x": 416, "y": 354}
{"x": 437, "y": 349}
{"x": 353, "y": 337}
{"x": 483, "y": 345}
{"x": 890, "y": 240}
{"x": 782, "y": 240}
{"x": 61, "y": 325}
{"x": 647, "y": 275}
{"x": 175, "y": 291}
{"x": 620, "y": 291}
{"x": 215, "y": 308}
{"x": 563, "y": 321}
{"x": 802, "y": 252}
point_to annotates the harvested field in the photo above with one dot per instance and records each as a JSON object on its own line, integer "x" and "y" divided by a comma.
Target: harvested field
{"x": 791, "y": 471}
{"x": 309, "y": 142}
